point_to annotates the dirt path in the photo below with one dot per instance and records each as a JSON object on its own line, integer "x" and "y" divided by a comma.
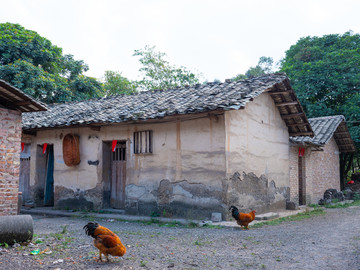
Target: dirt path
{"x": 331, "y": 241}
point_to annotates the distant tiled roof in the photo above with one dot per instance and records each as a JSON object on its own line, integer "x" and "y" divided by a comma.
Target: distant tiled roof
{"x": 325, "y": 128}
{"x": 13, "y": 98}
{"x": 230, "y": 95}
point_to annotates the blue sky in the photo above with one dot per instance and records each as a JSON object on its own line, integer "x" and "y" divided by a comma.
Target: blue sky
{"x": 219, "y": 39}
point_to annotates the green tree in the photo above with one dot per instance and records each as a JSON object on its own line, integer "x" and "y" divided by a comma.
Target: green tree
{"x": 263, "y": 67}
{"x": 36, "y": 66}
{"x": 159, "y": 74}
{"x": 115, "y": 83}
{"x": 325, "y": 73}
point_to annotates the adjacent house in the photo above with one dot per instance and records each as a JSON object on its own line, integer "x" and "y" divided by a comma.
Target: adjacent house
{"x": 314, "y": 162}
{"x": 183, "y": 152}
{"x": 13, "y": 102}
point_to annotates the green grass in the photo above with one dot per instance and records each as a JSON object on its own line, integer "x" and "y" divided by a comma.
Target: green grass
{"x": 337, "y": 204}
{"x": 343, "y": 205}
{"x": 300, "y": 216}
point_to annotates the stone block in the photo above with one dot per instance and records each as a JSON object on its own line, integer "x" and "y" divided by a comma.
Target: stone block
{"x": 291, "y": 206}
{"x": 216, "y": 217}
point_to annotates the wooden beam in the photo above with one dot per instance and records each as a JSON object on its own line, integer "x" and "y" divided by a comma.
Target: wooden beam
{"x": 307, "y": 133}
{"x": 281, "y": 92}
{"x": 286, "y": 103}
{"x": 298, "y": 125}
{"x": 22, "y": 103}
{"x": 94, "y": 127}
{"x": 293, "y": 115}
{"x": 341, "y": 133}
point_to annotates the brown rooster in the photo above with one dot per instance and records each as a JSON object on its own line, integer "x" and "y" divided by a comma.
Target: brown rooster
{"x": 243, "y": 219}
{"x": 105, "y": 240}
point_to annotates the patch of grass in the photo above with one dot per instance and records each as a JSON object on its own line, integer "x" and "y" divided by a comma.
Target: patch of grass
{"x": 342, "y": 205}
{"x": 64, "y": 229}
{"x": 300, "y": 216}
{"x": 211, "y": 226}
{"x": 169, "y": 224}
{"x": 57, "y": 236}
{"x": 143, "y": 263}
{"x": 39, "y": 241}
{"x": 5, "y": 245}
{"x": 192, "y": 225}
{"x": 198, "y": 243}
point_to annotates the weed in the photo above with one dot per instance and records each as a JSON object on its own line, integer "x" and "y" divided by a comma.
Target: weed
{"x": 192, "y": 225}
{"x": 169, "y": 224}
{"x": 198, "y": 243}
{"x": 211, "y": 226}
{"x": 263, "y": 266}
{"x": 6, "y": 245}
{"x": 342, "y": 204}
{"x": 57, "y": 236}
{"x": 300, "y": 216}
{"x": 143, "y": 263}
{"x": 39, "y": 241}
{"x": 155, "y": 214}
{"x": 64, "y": 229}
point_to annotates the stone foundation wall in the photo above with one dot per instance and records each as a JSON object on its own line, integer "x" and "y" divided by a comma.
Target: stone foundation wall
{"x": 251, "y": 192}
{"x": 198, "y": 201}
{"x": 175, "y": 199}
{"x": 10, "y": 147}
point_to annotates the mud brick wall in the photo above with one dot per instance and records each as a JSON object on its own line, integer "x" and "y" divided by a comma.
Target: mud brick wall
{"x": 10, "y": 147}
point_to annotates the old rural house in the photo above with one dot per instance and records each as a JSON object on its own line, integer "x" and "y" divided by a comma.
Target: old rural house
{"x": 314, "y": 162}
{"x": 12, "y": 103}
{"x": 183, "y": 152}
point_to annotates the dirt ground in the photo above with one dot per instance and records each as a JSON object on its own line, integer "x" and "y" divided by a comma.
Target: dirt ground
{"x": 330, "y": 241}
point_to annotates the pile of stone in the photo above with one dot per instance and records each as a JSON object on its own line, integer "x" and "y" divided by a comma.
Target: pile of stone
{"x": 332, "y": 195}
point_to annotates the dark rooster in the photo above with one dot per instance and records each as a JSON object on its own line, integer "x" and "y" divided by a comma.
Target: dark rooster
{"x": 105, "y": 240}
{"x": 243, "y": 219}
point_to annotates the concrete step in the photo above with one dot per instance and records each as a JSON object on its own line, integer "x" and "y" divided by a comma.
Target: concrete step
{"x": 113, "y": 211}
{"x": 267, "y": 216}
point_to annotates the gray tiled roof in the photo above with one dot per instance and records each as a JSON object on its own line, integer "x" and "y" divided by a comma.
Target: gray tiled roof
{"x": 325, "y": 128}
{"x": 147, "y": 105}
{"x": 14, "y": 98}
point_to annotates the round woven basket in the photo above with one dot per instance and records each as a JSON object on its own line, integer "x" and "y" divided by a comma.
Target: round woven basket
{"x": 71, "y": 151}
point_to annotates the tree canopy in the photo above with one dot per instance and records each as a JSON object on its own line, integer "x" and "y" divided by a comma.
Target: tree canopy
{"x": 158, "y": 73}
{"x": 115, "y": 83}
{"x": 36, "y": 66}
{"x": 264, "y": 66}
{"x": 325, "y": 73}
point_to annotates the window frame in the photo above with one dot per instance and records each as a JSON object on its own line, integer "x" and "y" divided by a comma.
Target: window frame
{"x": 143, "y": 137}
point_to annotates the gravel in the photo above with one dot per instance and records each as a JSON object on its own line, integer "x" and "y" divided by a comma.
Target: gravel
{"x": 330, "y": 241}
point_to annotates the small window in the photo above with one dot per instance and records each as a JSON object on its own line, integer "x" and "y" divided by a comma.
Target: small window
{"x": 143, "y": 142}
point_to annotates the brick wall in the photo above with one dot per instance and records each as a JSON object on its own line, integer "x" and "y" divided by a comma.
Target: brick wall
{"x": 294, "y": 174}
{"x": 323, "y": 167}
{"x": 10, "y": 147}
{"x": 321, "y": 171}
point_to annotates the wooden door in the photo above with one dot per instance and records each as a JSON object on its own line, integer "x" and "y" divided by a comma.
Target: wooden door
{"x": 24, "y": 179}
{"x": 302, "y": 186}
{"x": 118, "y": 176}
{"x": 49, "y": 181}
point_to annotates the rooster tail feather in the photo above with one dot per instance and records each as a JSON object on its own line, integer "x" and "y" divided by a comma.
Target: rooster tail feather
{"x": 90, "y": 228}
{"x": 234, "y": 212}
